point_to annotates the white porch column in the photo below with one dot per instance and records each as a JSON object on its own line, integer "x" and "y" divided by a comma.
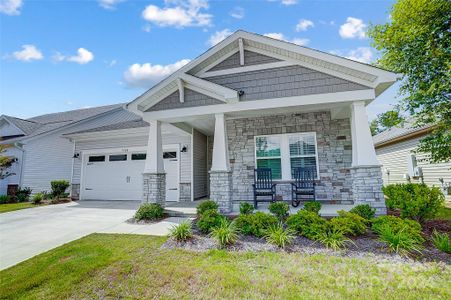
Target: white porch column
{"x": 363, "y": 153}
{"x": 154, "y": 177}
{"x": 220, "y": 159}
{"x": 220, "y": 174}
{"x": 154, "y": 159}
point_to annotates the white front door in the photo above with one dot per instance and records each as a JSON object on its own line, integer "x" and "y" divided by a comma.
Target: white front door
{"x": 171, "y": 167}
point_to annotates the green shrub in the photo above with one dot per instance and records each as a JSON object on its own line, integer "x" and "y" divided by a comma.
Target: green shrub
{"x": 37, "y": 198}
{"x": 5, "y": 199}
{"x": 307, "y": 223}
{"x": 364, "y": 210}
{"x": 410, "y": 227}
{"x": 399, "y": 241}
{"x": 59, "y": 188}
{"x": 255, "y": 224}
{"x": 226, "y": 233}
{"x": 149, "y": 211}
{"x": 279, "y": 209}
{"x": 313, "y": 206}
{"x": 206, "y": 205}
{"x": 208, "y": 220}
{"x": 332, "y": 238}
{"x": 279, "y": 236}
{"x": 246, "y": 208}
{"x": 415, "y": 201}
{"x": 349, "y": 223}
{"x": 441, "y": 241}
{"x": 182, "y": 231}
{"x": 23, "y": 194}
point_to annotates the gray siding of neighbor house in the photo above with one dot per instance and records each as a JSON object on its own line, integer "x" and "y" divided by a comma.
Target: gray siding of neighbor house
{"x": 192, "y": 98}
{"x": 394, "y": 157}
{"x": 334, "y": 152}
{"x": 250, "y": 58}
{"x": 200, "y": 182}
{"x": 284, "y": 82}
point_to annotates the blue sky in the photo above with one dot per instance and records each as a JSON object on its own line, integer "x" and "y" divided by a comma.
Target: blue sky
{"x": 63, "y": 55}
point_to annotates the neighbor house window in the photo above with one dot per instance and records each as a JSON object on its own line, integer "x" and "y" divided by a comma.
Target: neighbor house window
{"x": 284, "y": 152}
{"x": 118, "y": 157}
{"x": 97, "y": 158}
{"x": 139, "y": 156}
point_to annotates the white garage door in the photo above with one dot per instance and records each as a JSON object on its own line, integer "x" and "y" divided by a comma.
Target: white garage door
{"x": 118, "y": 176}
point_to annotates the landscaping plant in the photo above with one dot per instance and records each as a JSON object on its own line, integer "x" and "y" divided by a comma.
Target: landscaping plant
{"x": 441, "y": 241}
{"x": 5, "y": 199}
{"x": 246, "y": 208}
{"x": 415, "y": 201}
{"x": 410, "y": 227}
{"x": 23, "y": 194}
{"x": 59, "y": 188}
{"x": 226, "y": 233}
{"x": 332, "y": 238}
{"x": 208, "y": 220}
{"x": 364, "y": 210}
{"x": 313, "y": 206}
{"x": 399, "y": 241}
{"x": 37, "y": 198}
{"x": 206, "y": 205}
{"x": 279, "y": 209}
{"x": 307, "y": 223}
{"x": 279, "y": 236}
{"x": 149, "y": 211}
{"x": 255, "y": 224}
{"x": 182, "y": 231}
{"x": 349, "y": 223}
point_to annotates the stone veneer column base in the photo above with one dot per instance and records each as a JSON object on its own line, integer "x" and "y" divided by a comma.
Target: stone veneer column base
{"x": 221, "y": 189}
{"x": 367, "y": 187}
{"x": 154, "y": 188}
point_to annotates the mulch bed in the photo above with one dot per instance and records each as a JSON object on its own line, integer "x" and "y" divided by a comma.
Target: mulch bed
{"x": 363, "y": 246}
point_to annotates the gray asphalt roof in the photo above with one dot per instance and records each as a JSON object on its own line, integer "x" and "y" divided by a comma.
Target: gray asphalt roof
{"x": 405, "y": 128}
{"x": 117, "y": 126}
{"x": 48, "y": 122}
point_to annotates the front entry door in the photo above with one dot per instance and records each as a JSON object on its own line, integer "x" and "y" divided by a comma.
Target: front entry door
{"x": 171, "y": 167}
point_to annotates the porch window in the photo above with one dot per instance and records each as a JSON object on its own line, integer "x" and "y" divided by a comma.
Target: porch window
{"x": 284, "y": 152}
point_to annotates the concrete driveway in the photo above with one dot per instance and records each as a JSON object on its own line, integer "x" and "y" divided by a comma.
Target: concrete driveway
{"x": 26, "y": 233}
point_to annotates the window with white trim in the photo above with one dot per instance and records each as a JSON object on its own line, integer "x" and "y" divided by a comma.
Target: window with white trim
{"x": 283, "y": 152}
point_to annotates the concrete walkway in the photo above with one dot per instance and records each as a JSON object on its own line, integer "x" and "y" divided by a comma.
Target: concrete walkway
{"x": 26, "y": 233}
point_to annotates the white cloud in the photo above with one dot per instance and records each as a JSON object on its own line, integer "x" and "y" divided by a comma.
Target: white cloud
{"x": 361, "y": 54}
{"x": 353, "y": 28}
{"x": 28, "y": 53}
{"x": 289, "y": 2}
{"x": 179, "y": 13}
{"x": 10, "y": 7}
{"x": 218, "y": 36}
{"x": 237, "y": 12}
{"x": 83, "y": 57}
{"x": 146, "y": 75}
{"x": 281, "y": 36}
{"x": 304, "y": 24}
{"x": 109, "y": 4}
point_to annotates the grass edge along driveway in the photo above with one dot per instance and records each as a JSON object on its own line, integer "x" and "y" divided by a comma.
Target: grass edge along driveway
{"x": 134, "y": 266}
{"x": 7, "y": 207}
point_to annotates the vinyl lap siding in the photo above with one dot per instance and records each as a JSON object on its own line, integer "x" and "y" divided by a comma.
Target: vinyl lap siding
{"x": 200, "y": 177}
{"x": 394, "y": 158}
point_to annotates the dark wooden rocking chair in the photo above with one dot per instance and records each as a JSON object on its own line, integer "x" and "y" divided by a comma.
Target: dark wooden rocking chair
{"x": 303, "y": 187}
{"x": 263, "y": 186}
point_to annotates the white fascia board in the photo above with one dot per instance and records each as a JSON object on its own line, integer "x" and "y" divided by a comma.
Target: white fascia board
{"x": 332, "y": 98}
{"x": 223, "y": 92}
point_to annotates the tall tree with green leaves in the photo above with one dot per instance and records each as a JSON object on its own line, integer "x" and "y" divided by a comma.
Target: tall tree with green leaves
{"x": 5, "y": 163}
{"x": 385, "y": 121}
{"x": 416, "y": 43}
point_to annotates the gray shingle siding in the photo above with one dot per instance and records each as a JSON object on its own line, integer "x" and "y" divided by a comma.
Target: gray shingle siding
{"x": 284, "y": 82}
{"x": 192, "y": 99}
{"x": 250, "y": 58}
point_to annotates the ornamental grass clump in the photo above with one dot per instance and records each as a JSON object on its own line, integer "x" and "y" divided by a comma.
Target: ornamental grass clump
{"x": 399, "y": 241}
{"x": 37, "y": 198}
{"x": 333, "y": 238}
{"x": 181, "y": 232}
{"x": 441, "y": 241}
{"x": 279, "y": 236}
{"x": 226, "y": 233}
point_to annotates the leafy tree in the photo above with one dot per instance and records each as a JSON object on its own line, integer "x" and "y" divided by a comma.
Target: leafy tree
{"x": 416, "y": 42}
{"x": 385, "y": 120}
{"x": 5, "y": 163}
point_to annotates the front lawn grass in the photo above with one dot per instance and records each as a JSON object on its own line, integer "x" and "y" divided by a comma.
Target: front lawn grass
{"x": 134, "y": 267}
{"x": 15, "y": 206}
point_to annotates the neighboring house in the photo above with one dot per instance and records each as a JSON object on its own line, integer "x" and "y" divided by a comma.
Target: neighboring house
{"x": 42, "y": 153}
{"x": 250, "y": 101}
{"x": 400, "y": 164}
